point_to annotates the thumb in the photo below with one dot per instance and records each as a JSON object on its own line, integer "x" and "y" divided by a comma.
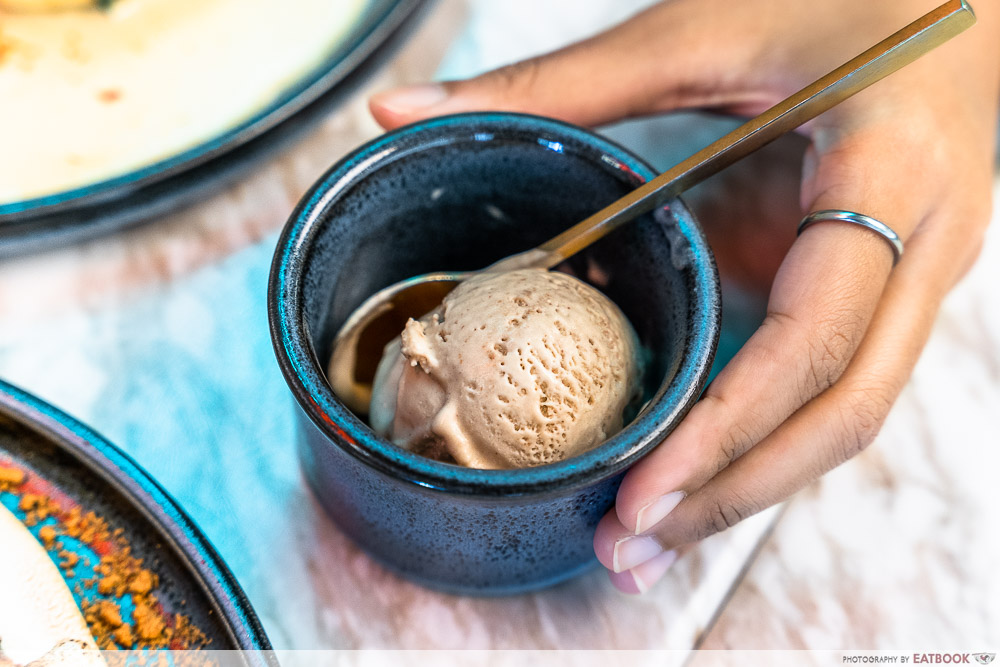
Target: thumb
{"x": 671, "y": 56}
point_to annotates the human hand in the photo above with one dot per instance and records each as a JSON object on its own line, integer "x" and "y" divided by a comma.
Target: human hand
{"x": 844, "y": 328}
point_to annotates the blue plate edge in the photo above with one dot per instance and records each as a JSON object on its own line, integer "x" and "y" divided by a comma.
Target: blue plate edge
{"x": 152, "y": 500}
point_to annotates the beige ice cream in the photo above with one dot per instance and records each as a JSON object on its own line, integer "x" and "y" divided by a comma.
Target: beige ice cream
{"x": 514, "y": 369}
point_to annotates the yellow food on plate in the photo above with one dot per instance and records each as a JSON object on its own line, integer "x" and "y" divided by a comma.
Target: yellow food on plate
{"x": 48, "y": 5}
{"x": 38, "y": 615}
{"x": 89, "y": 95}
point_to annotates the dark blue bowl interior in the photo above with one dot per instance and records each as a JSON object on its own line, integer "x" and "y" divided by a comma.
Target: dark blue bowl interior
{"x": 459, "y": 193}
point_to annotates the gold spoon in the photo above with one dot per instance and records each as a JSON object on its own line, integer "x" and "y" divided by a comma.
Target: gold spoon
{"x": 358, "y": 345}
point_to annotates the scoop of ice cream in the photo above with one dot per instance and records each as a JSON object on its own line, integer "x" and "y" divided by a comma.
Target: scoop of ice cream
{"x": 514, "y": 369}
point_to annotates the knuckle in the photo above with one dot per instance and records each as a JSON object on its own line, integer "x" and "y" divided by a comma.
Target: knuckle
{"x": 742, "y": 431}
{"x": 517, "y": 78}
{"x": 959, "y": 233}
{"x": 829, "y": 352}
{"x": 718, "y": 518}
{"x": 829, "y": 340}
{"x": 862, "y": 416}
{"x": 735, "y": 442}
{"x": 724, "y": 513}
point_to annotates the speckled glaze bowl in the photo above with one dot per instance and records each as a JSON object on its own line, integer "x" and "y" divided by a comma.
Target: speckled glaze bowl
{"x": 457, "y": 193}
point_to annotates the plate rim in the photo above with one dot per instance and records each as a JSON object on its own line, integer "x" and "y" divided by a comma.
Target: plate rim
{"x": 151, "y": 500}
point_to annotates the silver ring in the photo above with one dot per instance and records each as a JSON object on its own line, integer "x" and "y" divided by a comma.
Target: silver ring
{"x": 880, "y": 228}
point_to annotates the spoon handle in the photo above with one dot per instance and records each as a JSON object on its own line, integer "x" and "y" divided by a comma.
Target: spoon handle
{"x": 889, "y": 55}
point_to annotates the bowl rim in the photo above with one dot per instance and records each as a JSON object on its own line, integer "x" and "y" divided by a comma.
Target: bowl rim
{"x": 306, "y": 376}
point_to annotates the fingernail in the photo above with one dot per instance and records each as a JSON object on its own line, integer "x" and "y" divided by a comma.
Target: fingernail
{"x": 649, "y": 573}
{"x": 411, "y": 98}
{"x": 656, "y": 511}
{"x": 634, "y": 550}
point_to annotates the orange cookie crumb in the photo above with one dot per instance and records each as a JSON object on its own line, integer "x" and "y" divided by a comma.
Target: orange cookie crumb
{"x": 119, "y": 577}
{"x": 11, "y": 477}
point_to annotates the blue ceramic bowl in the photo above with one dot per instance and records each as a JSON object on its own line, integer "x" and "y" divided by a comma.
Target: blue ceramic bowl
{"x": 457, "y": 193}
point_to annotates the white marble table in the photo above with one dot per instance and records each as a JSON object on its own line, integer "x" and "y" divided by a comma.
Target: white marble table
{"x": 158, "y": 338}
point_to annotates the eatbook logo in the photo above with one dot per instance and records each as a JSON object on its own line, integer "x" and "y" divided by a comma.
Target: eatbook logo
{"x": 953, "y": 658}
